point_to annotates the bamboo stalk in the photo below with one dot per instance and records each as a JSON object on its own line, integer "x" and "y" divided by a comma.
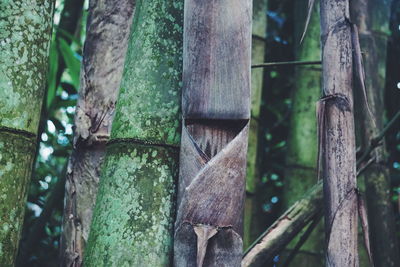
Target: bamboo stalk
{"x": 337, "y": 149}
{"x": 133, "y": 218}
{"x": 286, "y": 63}
{"x": 252, "y": 224}
{"x": 216, "y": 112}
{"x": 103, "y": 57}
{"x": 25, "y": 33}
{"x": 302, "y": 149}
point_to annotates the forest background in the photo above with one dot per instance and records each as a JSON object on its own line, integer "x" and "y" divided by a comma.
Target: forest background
{"x": 42, "y": 225}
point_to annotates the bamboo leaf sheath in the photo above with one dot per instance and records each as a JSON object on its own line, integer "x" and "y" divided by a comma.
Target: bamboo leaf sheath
{"x": 216, "y": 112}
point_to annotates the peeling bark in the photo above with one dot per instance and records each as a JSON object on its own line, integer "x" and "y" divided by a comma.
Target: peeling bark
{"x": 133, "y": 217}
{"x": 337, "y": 154}
{"x": 216, "y": 111}
{"x": 103, "y": 57}
{"x": 372, "y": 18}
{"x": 25, "y": 33}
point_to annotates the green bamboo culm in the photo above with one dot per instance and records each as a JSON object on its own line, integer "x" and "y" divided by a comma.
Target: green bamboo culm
{"x": 25, "y": 32}
{"x": 134, "y": 214}
{"x": 301, "y": 160}
{"x": 253, "y": 225}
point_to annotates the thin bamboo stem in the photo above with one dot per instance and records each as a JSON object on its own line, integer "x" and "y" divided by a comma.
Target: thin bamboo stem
{"x": 286, "y": 63}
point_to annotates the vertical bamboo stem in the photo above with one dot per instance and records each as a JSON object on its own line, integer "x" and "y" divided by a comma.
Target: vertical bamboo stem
{"x": 302, "y": 146}
{"x": 133, "y": 219}
{"x": 253, "y": 207}
{"x": 336, "y": 134}
{"x": 216, "y": 111}
{"x": 103, "y": 57}
{"x": 25, "y": 33}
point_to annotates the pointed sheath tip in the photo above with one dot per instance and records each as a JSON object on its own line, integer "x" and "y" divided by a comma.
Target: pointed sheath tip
{"x": 203, "y": 233}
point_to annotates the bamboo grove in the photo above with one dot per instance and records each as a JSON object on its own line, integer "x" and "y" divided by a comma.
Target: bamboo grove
{"x": 199, "y": 133}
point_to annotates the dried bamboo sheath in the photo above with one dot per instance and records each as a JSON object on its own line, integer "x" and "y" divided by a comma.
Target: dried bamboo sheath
{"x": 216, "y": 112}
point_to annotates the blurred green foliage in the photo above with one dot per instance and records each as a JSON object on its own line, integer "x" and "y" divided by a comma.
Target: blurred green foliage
{"x": 40, "y": 237}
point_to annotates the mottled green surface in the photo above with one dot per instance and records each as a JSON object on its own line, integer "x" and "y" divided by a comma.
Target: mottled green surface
{"x": 25, "y": 28}
{"x": 134, "y": 214}
{"x": 135, "y": 209}
{"x": 16, "y": 155}
{"x": 252, "y": 227}
{"x": 149, "y": 100}
{"x": 301, "y": 161}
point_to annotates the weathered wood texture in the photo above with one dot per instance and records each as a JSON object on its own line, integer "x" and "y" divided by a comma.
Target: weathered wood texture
{"x": 372, "y": 19}
{"x": 103, "y": 60}
{"x": 217, "y": 41}
{"x": 25, "y": 32}
{"x": 280, "y": 233}
{"x": 302, "y": 149}
{"x": 252, "y": 225}
{"x": 134, "y": 213}
{"x": 336, "y": 135}
{"x": 216, "y": 111}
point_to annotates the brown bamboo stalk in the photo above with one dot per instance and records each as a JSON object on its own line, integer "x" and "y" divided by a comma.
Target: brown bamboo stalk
{"x": 216, "y": 112}
{"x": 103, "y": 60}
{"x": 337, "y": 149}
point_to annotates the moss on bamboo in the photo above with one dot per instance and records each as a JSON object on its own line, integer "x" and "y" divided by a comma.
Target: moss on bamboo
{"x": 148, "y": 104}
{"x": 24, "y": 43}
{"x": 134, "y": 214}
{"x": 25, "y": 28}
{"x": 135, "y": 208}
{"x": 15, "y": 167}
